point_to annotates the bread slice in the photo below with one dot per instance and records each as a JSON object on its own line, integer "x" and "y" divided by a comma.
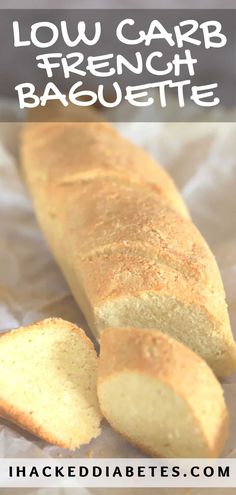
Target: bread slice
{"x": 48, "y": 374}
{"x": 160, "y": 395}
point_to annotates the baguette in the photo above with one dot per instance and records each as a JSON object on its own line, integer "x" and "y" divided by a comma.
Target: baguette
{"x": 160, "y": 395}
{"x": 122, "y": 236}
{"x": 48, "y": 374}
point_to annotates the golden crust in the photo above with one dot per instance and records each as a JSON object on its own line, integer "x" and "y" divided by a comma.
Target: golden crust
{"x": 159, "y": 356}
{"x": 127, "y": 216}
{"x": 88, "y": 150}
{"x": 57, "y": 323}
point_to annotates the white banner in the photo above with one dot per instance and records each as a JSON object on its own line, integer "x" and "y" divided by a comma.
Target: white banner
{"x": 117, "y": 473}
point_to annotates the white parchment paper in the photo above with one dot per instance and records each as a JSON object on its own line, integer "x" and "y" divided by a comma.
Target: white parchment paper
{"x": 201, "y": 157}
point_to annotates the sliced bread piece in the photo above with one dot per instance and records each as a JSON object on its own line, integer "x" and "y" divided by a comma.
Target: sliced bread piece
{"x": 48, "y": 374}
{"x": 160, "y": 395}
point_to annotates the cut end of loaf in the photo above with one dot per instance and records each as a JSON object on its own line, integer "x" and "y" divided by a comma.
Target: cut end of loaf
{"x": 48, "y": 374}
{"x": 190, "y": 324}
{"x": 160, "y": 395}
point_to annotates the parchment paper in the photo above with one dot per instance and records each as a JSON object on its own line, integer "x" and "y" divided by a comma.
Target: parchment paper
{"x": 201, "y": 157}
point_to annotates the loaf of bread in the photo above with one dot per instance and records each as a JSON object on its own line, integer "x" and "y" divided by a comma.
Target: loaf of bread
{"x": 48, "y": 375}
{"x": 122, "y": 236}
{"x": 160, "y": 395}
